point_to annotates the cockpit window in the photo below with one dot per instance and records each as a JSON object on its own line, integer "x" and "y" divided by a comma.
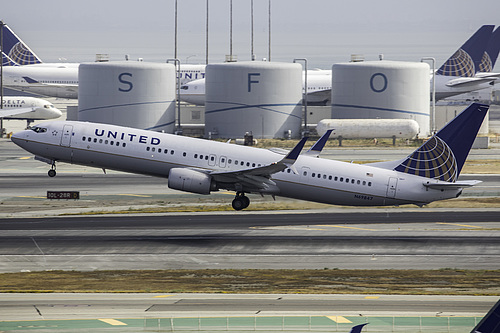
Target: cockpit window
{"x": 39, "y": 129}
{"x": 48, "y": 106}
{"x": 184, "y": 87}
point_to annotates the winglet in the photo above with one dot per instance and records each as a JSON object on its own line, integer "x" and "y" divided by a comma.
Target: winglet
{"x": 292, "y": 156}
{"x": 30, "y": 80}
{"x": 295, "y": 152}
{"x": 317, "y": 147}
{"x": 358, "y": 328}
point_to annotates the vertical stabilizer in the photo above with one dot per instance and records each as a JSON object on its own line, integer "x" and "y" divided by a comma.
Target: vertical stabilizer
{"x": 15, "y": 51}
{"x": 491, "y": 54}
{"x": 465, "y": 61}
{"x": 491, "y": 322}
{"x": 443, "y": 155}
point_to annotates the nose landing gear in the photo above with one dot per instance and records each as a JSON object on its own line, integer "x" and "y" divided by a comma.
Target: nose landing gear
{"x": 52, "y": 171}
{"x": 241, "y": 201}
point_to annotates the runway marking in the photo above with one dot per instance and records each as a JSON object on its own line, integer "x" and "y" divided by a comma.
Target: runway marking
{"x": 160, "y": 296}
{"x": 340, "y": 226}
{"x": 113, "y": 322}
{"x": 372, "y": 297}
{"x": 25, "y": 158}
{"x": 136, "y": 195}
{"x": 287, "y": 227}
{"x": 339, "y": 319}
{"x": 30, "y": 196}
{"x": 461, "y": 225}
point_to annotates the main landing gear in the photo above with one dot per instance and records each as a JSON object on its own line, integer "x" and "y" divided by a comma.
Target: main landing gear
{"x": 52, "y": 171}
{"x": 241, "y": 201}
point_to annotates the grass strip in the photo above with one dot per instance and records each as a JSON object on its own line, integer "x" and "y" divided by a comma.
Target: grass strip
{"x": 321, "y": 281}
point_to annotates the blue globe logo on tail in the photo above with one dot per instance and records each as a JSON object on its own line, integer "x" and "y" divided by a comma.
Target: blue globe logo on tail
{"x": 434, "y": 159}
{"x": 21, "y": 55}
{"x": 459, "y": 64}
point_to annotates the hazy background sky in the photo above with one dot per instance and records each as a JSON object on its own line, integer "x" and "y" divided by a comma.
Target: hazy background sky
{"x": 323, "y": 31}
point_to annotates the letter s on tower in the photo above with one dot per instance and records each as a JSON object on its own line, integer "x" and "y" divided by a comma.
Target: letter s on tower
{"x": 125, "y": 82}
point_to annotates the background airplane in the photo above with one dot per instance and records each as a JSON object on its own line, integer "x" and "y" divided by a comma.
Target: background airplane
{"x": 28, "y": 108}
{"x": 24, "y": 71}
{"x": 430, "y": 173}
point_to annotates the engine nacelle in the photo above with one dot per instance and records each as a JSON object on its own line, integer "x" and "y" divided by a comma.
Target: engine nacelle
{"x": 190, "y": 181}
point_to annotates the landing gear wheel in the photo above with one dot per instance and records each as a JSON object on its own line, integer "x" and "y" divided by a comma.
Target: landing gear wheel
{"x": 52, "y": 171}
{"x": 240, "y": 201}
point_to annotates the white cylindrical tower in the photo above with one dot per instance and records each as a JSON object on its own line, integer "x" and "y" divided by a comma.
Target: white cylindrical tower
{"x": 259, "y": 97}
{"x": 134, "y": 94}
{"x": 382, "y": 90}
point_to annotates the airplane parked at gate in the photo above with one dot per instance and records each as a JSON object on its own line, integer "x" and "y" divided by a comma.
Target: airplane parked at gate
{"x": 193, "y": 165}
{"x": 24, "y": 71}
{"x": 28, "y": 108}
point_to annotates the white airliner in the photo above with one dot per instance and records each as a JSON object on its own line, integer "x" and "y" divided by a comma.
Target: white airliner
{"x": 201, "y": 166}
{"x": 319, "y": 89}
{"x": 28, "y": 108}
{"x": 24, "y": 71}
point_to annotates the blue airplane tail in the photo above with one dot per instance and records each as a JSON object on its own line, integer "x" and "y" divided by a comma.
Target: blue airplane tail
{"x": 491, "y": 322}
{"x": 491, "y": 54}
{"x": 465, "y": 61}
{"x": 15, "y": 51}
{"x": 443, "y": 155}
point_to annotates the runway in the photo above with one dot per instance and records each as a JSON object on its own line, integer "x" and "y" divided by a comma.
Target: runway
{"x": 408, "y": 239}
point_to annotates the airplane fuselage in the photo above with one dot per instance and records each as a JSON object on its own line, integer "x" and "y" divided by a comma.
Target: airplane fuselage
{"x": 155, "y": 154}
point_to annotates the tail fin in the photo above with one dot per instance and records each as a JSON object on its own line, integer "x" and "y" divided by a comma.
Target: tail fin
{"x": 443, "y": 155}
{"x": 491, "y": 54}
{"x": 15, "y": 51}
{"x": 465, "y": 61}
{"x": 490, "y": 322}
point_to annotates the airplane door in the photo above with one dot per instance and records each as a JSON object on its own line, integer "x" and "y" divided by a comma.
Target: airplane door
{"x": 212, "y": 159}
{"x": 222, "y": 161}
{"x": 66, "y": 135}
{"x": 392, "y": 187}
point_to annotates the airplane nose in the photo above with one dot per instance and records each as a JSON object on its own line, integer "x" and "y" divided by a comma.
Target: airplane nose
{"x": 19, "y": 137}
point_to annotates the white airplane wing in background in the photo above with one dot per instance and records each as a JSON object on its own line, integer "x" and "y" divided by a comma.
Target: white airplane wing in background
{"x": 13, "y": 112}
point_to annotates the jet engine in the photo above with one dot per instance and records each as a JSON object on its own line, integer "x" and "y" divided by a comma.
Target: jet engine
{"x": 190, "y": 181}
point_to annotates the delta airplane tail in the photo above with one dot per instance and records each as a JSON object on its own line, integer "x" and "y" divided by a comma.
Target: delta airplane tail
{"x": 491, "y": 54}
{"x": 15, "y": 51}
{"x": 465, "y": 61}
{"x": 443, "y": 155}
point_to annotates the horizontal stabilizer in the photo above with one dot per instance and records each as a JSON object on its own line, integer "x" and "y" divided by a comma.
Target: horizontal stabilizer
{"x": 469, "y": 81}
{"x": 440, "y": 185}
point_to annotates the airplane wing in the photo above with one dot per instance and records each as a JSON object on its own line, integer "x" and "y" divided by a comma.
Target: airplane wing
{"x": 13, "y": 112}
{"x": 440, "y": 185}
{"x": 259, "y": 179}
{"x": 317, "y": 147}
{"x": 469, "y": 81}
{"x": 33, "y": 81}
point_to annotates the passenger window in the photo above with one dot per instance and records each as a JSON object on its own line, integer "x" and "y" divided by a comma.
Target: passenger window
{"x": 147, "y": 148}
{"x": 159, "y": 150}
{"x": 305, "y": 173}
{"x": 89, "y": 140}
{"x": 171, "y": 152}
{"x": 341, "y": 179}
{"x": 313, "y": 174}
{"x": 153, "y": 149}
{"x": 369, "y": 183}
{"x": 100, "y": 140}
{"x": 124, "y": 144}
{"x": 195, "y": 155}
{"x": 336, "y": 178}
{"x": 83, "y": 139}
{"x": 364, "y": 182}
{"x": 330, "y": 177}
{"x": 184, "y": 154}
{"x": 95, "y": 140}
{"x": 165, "y": 151}
{"x": 359, "y": 182}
